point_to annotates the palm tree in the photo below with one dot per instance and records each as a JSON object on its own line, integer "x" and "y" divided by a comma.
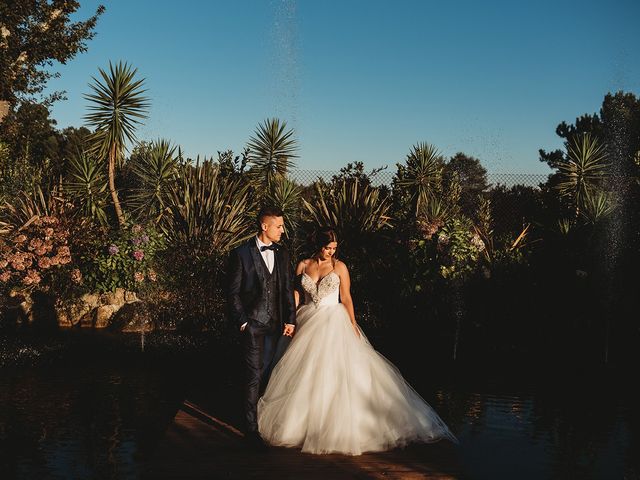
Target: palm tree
{"x": 421, "y": 175}
{"x": 271, "y": 151}
{"x": 583, "y": 170}
{"x": 117, "y": 106}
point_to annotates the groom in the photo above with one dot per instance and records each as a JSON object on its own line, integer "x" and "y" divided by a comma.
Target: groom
{"x": 261, "y": 303}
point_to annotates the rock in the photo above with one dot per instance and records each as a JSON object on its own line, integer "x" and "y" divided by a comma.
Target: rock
{"x": 86, "y": 321}
{"x": 130, "y": 297}
{"x": 103, "y": 314}
{"x": 113, "y": 298}
{"x": 133, "y": 317}
{"x": 91, "y": 310}
{"x": 92, "y": 300}
{"x": 71, "y": 313}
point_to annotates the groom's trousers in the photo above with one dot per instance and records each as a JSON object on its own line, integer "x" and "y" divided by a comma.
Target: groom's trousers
{"x": 259, "y": 349}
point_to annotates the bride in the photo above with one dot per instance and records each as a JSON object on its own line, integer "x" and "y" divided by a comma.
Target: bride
{"x": 332, "y": 392}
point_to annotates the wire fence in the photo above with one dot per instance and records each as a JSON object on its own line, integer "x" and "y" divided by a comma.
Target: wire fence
{"x": 385, "y": 177}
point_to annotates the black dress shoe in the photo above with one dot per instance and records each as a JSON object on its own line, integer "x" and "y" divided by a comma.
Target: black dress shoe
{"x": 254, "y": 442}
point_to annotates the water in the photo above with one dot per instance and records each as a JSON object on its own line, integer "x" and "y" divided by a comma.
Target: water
{"x": 105, "y": 419}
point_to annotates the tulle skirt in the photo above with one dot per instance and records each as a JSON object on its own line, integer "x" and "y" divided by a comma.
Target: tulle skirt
{"x": 333, "y": 393}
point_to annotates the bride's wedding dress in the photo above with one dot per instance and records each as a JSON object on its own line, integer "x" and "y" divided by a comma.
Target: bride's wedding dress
{"x": 332, "y": 392}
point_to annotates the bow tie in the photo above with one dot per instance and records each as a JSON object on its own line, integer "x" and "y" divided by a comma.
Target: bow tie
{"x": 273, "y": 247}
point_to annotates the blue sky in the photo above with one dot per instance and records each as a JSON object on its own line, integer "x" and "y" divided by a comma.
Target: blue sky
{"x": 365, "y": 80}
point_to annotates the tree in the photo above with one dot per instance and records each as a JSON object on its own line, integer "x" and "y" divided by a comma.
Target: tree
{"x": 355, "y": 172}
{"x": 117, "y": 106}
{"x": 473, "y": 180}
{"x": 617, "y": 125}
{"x": 30, "y": 133}
{"x": 31, "y": 149}
{"x": 34, "y": 34}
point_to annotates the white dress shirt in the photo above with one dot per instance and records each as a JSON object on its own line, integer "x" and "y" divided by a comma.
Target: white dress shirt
{"x": 267, "y": 255}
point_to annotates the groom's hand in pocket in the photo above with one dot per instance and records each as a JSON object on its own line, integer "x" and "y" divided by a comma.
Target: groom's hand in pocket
{"x": 288, "y": 329}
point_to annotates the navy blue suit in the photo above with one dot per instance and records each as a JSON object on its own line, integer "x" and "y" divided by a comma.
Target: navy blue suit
{"x": 265, "y": 302}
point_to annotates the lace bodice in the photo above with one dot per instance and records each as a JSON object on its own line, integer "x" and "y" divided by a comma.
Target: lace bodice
{"x": 325, "y": 292}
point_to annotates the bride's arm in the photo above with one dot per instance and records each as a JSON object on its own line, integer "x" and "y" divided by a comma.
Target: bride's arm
{"x": 296, "y": 293}
{"x": 345, "y": 293}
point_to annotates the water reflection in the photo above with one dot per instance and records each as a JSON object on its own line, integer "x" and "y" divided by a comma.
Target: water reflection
{"x": 105, "y": 421}
{"x": 81, "y": 422}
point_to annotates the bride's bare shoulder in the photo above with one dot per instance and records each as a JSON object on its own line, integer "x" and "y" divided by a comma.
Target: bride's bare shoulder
{"x": 301, "y": 266}
{"x": 340, "y": 266}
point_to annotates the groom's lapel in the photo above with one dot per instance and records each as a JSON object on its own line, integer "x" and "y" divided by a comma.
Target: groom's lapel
{"x": 280, "y": 260}
{"x": 258, "y": 263}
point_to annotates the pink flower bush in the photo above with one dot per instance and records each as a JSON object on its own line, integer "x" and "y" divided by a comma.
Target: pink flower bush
{"x": 138, "y": 255}
{"x": 29, "y": 256}
{"x": 44, "y": 263}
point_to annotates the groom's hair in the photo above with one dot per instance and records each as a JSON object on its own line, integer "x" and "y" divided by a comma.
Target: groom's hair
{"x": 267, "y": 212}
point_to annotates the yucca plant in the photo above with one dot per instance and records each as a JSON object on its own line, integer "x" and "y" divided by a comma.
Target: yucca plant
{"x": 421, "y": 175}
{"x": 565, "y": 226}
{"x": 205, "y": 211}
{"x": 271, "y": 152}
{"x": 285, "y": 194}
{"x": 117, "y": 106}
{"x": 156, "y": 169}
{"x": 87, "y": 185}
{"x": 355, "y": 210}
{"x": 596, "y": 205}
{"x": 583, "y": 171}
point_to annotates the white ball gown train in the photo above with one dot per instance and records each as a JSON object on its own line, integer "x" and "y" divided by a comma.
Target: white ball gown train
{"x": 333, "y": 393}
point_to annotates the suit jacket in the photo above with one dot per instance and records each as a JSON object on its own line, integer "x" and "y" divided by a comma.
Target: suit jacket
{"x": 247, "y": 284}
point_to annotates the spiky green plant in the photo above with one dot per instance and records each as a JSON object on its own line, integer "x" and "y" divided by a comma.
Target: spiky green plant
{"x": 87, "y": 185}
{"x": 30, "y": 205}
{"x": 155, "y": 169}
{"x": 583, "y": 171}
{"x": 355, "y": 210}
{"x": 565, "y": 226}
{"x": 205, "y": 211}
{"x": 421, "y": 175}
{"x": 271, "y": 152}
{"x": 285, "y": 194}
{"x": 117, "y": 106}
{"x": 596, "y": 205}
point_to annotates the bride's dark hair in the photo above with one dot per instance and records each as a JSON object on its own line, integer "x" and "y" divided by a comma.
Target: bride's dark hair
{"x": 321, "y": 237}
